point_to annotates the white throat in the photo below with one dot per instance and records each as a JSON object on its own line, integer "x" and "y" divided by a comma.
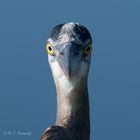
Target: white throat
{"x": 65, "y": 84}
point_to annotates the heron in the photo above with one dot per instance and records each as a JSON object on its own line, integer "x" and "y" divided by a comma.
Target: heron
{"x": 69, "y": 48}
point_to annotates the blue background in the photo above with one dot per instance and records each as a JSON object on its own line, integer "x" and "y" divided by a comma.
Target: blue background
{"x": 27, "y": 91}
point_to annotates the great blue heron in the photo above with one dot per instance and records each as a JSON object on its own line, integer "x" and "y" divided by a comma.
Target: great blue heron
{"x": 69, "y": 53}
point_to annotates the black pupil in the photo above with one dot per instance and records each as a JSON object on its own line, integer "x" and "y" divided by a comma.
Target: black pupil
{"x": 88, "y": 49}
{"x": 50, "y": 48}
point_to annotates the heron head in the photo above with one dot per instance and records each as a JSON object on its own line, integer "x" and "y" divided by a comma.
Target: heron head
{"x": 69, "y": 51}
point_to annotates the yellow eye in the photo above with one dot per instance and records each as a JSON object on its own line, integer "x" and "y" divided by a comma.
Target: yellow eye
{"x": 88, "y": 49}
{"x": 50, "y": 49}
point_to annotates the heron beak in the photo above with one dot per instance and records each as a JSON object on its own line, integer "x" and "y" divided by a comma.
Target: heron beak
{"x": 69, "y": 59}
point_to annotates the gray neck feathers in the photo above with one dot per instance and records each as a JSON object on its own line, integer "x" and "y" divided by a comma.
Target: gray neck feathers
{"x": 73, "y": 109}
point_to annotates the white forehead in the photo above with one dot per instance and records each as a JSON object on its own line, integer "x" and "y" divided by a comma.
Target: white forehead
{"x": 69, "y": 26}
{"x": 66, "y": 34}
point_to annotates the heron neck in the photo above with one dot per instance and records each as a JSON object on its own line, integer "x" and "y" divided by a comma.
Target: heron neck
{"x": 73, "y": 108}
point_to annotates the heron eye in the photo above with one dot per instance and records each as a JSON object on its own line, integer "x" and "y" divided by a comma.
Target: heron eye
{"x": 50, "y": 49}
{"x": 88, "y": 49}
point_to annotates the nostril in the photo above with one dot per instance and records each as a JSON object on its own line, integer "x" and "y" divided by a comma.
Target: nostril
{"x": 75, "y": 53}
{"x": 61, "y": 53}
